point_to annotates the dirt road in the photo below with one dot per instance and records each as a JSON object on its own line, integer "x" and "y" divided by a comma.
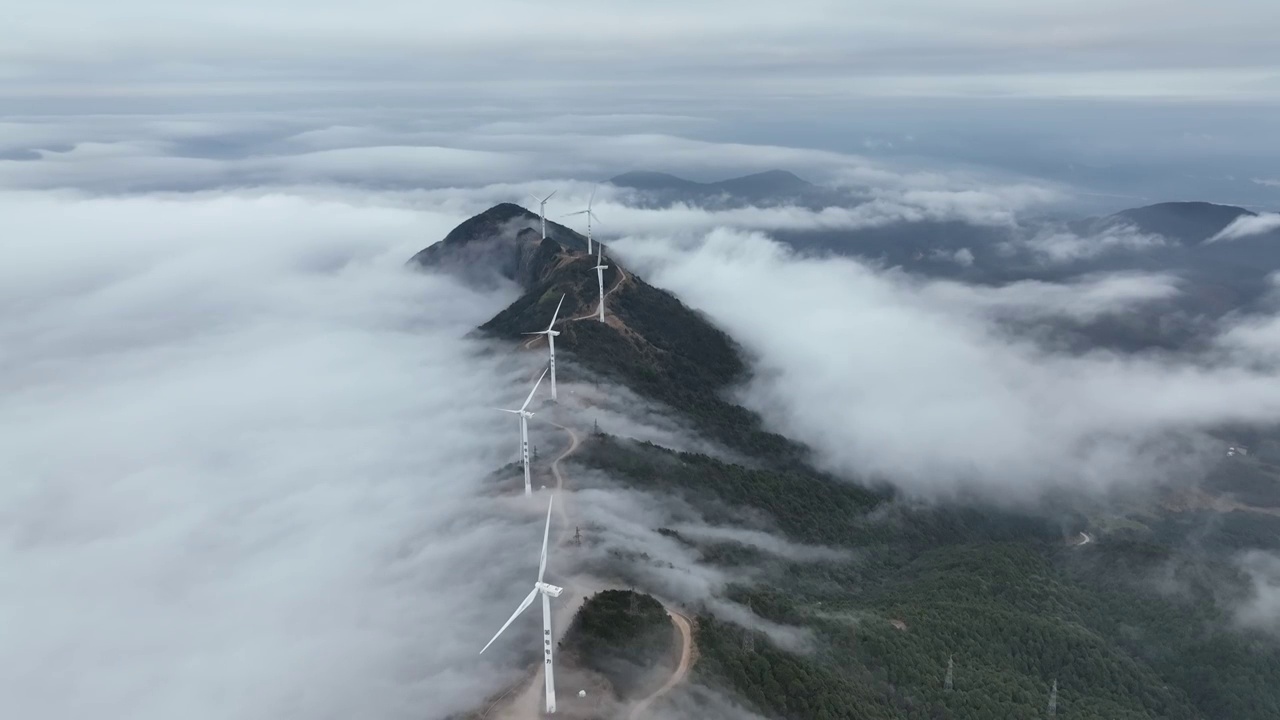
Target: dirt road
{"x": 525, "y": 701}
{"x": 682, "y": 667}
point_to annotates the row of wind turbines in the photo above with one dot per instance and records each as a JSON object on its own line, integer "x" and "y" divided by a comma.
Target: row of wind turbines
{"x": 540, "y": 587}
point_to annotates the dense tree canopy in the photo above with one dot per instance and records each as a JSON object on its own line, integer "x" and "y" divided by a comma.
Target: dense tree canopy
{"x": 622, "y": 635}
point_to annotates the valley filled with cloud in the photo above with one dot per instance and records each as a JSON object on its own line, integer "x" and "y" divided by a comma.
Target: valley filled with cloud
{"x": 252, "y": 455}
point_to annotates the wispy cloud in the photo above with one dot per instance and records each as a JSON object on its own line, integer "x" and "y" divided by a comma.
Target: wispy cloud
{"x": 1260, "y": 610}
{"x": 1248, "y": 226}
{"x": 918, "y": 383}
{"x": 1053, "y": 247}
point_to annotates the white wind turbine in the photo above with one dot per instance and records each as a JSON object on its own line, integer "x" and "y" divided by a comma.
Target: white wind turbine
{"x": 551, "y": 334}
{"x": 590, "y": 215}
{"x": 524, "y": 414}
{"x": 547, "y": 591}
{"x": 542, "y": 211}
{"x": 600, "y": 268}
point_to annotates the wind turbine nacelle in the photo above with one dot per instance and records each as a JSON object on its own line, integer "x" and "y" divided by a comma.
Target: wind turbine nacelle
{"x": 549, "y": 589}
{"x": 556, "y": 333}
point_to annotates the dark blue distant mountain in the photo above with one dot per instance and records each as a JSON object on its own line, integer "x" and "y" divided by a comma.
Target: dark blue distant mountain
{"x": 1185, "y": 222}
{"x": 766, "y": 188}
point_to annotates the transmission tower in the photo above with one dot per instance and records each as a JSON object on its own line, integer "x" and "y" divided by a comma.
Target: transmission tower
{"x": 1053, "y": 699}
{"x": 577, "y": 535}
{"x": 951, "y": 674}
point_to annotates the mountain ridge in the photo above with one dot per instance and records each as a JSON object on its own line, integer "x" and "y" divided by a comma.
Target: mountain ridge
{"x": 1000, "y": 592}
{"x": 1188, "y": 222}
{"x": 652, "y": 342}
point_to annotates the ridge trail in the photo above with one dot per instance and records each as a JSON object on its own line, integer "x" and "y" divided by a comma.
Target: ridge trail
{"x": 524, "y": 700}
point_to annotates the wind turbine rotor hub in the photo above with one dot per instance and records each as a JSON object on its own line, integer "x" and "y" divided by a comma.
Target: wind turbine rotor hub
{"x": 549, "y": 589}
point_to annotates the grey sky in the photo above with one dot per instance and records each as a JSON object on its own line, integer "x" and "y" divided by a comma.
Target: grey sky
{"x": 1150, "y": 99}
{"x": 809, "y": 48}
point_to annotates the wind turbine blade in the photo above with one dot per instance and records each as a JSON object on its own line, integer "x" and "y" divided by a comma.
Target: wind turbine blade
{"x": 553, "y": 317}
{"x": 580, "y": 212}
{"x": 523, "y": 606}
{"x": 596, "y": 218}
{"x": 553, "y": 192}
{"x": 546, "y": 533}
{"x": 592, "y": 198}
{"x": 534, "y": 390}
{"x": 517, "y": 412}
{"x": 540, "y": 332}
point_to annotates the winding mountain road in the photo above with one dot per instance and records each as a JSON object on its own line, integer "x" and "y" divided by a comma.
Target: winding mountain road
{"x": 682, "y": 667}
{"x": 524, "y": 701}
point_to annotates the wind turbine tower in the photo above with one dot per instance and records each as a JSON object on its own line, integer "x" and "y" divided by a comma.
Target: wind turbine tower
{"x": 525, "y": 414}
{"x": 590, "y": 216}
{"x": 600, "y": 268}
{"x": 551, "y": 334}
{"x": 547, "y": 591}
{"x": 542, "y": 211}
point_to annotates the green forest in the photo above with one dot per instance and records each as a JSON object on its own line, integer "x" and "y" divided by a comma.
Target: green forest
{"x": 1001, "y": 594}
{"x": 1134, "y": 625}
{"x": 625, "y": 636}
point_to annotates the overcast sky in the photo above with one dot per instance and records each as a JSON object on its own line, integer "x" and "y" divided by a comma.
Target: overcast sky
{"x": 1145, "y": 98}
{"x": 824, "y": 48}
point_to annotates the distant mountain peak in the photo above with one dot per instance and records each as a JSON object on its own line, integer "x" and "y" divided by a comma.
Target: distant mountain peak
{"x": 1187, "y": 222}
{"x": 774, "y": 175}
{"x": 755, "y": 184}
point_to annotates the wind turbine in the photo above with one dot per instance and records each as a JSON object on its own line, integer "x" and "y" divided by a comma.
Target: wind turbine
{"x": 524, "y": 414}
{"x": 547, "y": 591}
{"x": 589, "y": 215}
{"x": 551, "y": 334}
{"x": 542, "y": 211}
{"x": 600, "y": 268}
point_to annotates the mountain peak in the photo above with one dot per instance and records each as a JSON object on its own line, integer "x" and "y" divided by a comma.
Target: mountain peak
{"x": 504, "y": 241}
{"x": 1187, "y": 222}
{"x": 488, "y": 223}
{"x": 650, "y": 180}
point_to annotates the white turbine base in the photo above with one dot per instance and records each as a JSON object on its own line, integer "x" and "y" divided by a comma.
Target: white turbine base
{"x": 551, "y": 343}
{"x": 548, "y": 642}
{"x": 524, "y": 452}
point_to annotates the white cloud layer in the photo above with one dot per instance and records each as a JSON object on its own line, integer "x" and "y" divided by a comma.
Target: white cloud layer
{"x": 1054, "y": 247}
{"x": 916, "y": 382}
{"x": 245, "y": 453}
{"x": 1261, "y": 608}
